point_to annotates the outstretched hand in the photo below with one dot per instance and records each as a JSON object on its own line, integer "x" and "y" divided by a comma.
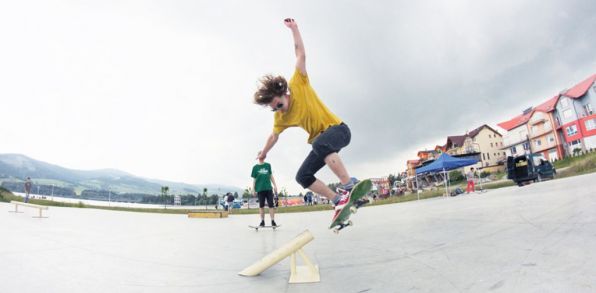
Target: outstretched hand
{"x": 261, "y": 156}
{"x": 289, "y": 22}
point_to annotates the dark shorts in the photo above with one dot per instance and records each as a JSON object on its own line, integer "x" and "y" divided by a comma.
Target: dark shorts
{"x": 265, "y": 194}
{"x": 330, "y": 141}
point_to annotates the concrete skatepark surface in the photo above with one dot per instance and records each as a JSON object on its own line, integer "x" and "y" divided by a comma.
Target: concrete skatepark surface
{"x": 537, "y": 238}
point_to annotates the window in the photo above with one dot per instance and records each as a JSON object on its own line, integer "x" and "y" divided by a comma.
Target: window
{"x": 491, "y": 144}
{"x": 488, "y": 155}
{"x": 575, "y": 142}
{"x": 551, "y": 138}
{"x": 489, "y": 136}
{"x": 571, "y": 130}
{"x": 588, "y": 109}
{"x": 526, "y": 146}
{"x": 534, "y": 129}
{"x": 483, "y": 157}
{"x": 547, "y": 125}
{"x": 567, "y": 113}
{"x": 538, "y": 143}
{"x": 513, "y": 150}
{"x": 591, "y": 124}
{"x": 564, "y": 102}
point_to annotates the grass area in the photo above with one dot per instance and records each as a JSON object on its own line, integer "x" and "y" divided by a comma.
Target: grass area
{"x": 569, "y": 161}
{"x": 574, "y": 166}
{"x": 579, "y": 166}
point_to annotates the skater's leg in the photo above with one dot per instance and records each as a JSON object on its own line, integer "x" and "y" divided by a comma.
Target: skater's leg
{"x": 337, "y": 167}
{"x": 261, "y": 207}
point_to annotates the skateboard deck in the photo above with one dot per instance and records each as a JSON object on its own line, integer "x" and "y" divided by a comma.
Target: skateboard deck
{"x": 264, "y": 227}
{"x": 342, "y": 220}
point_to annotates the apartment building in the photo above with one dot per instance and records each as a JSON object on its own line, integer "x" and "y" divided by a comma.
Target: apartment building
{"x": 576, "y": 120}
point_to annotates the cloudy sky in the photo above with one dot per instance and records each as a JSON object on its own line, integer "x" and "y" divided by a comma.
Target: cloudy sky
{"x": 162, "y": 89}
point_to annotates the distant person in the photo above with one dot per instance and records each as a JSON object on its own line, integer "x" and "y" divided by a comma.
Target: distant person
{"x": 28, "y": 186}
{"x": 470, "y": 176}
{"x": 230, "y": 201}
{"x": 262, "y": 186}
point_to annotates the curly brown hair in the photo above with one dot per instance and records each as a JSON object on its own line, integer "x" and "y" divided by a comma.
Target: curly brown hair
{"x": 269, "y": 88}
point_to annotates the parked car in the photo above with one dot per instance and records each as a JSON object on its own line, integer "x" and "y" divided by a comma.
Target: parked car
{"x": 529, "y": 168}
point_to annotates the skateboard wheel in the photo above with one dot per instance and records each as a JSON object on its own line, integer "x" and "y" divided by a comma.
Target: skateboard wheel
{"x": 336, "y": 231}
{"x": 353, "y": 210}
{"x": 350, "y": 223}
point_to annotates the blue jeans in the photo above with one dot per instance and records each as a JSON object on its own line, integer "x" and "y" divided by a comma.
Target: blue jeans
{"x": 332, "y": 140}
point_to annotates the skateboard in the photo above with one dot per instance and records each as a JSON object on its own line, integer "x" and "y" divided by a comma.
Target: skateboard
{"x": 262, "y": 227}
{"x": 342, "y": 219}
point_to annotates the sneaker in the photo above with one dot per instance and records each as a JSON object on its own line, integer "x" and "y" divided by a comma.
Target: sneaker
{"x": 262, "y": 223}
{"x": 344, "y": 198}
{"x": 273, "y": 224}
{"x": 348, "y": 186}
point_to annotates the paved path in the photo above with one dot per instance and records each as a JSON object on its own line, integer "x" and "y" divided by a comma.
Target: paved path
{"x": 538, "y": 238}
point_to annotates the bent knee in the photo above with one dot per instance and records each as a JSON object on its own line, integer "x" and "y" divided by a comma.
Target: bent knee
{"x": 305, "y": 180}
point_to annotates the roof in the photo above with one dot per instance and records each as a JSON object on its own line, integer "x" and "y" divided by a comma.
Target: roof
{"x": 413, "y": 161}
{"x": 516, "y": 121}
{"x": 431, "y": 151}
{"x": 456, "y": 140}
{"x": 475, "y": 132}
{"x": 581, "y": 88}
{"x": 548, "y": 106}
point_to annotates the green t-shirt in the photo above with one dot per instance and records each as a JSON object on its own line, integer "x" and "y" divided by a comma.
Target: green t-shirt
{"x": 262, "y": 175}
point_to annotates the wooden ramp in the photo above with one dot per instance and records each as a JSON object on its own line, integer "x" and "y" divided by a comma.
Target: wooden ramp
{"x": 307, "y": 273}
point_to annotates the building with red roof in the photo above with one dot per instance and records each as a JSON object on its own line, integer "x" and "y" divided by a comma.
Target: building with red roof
{"x": 576, "y": 120}
{"x": 557, "y": 126}
{"x": 542, "y": 131}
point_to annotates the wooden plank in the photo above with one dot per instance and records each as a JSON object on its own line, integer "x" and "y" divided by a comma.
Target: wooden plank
{"x": 208, "y": 214}
{"x": 29, "y": 205}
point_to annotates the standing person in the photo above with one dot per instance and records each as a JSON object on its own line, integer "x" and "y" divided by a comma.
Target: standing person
{"x": 470, "y": 178}
{"x": 297, "y": 104}
{"x": 28, "y": 185}
{"x": 230, "y": 201}
{"x": 263, "y": 178}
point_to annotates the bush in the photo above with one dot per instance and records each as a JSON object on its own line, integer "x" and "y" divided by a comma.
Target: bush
{"x": 456, "y": 176}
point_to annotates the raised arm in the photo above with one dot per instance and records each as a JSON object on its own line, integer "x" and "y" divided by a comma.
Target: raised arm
{"x": 271, "y": 140}
{"x": 298, "y": 45}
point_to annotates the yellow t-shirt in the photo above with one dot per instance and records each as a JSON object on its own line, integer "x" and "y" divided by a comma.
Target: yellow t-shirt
{"x": 306, "y": 110}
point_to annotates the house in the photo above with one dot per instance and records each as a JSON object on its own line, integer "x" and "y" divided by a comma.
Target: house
{"x": 576, "y": 120}
{"x": 516, "y": 140}
{"x": 489, "y": 143}
{"x": 483, "y": 143}
{"x": 411, "y": 173}
{"x": 427, "y": 155}
{"x": 558, "y": 126}
{"x": 455, "y": 145}
{"x": 542, "y": 131}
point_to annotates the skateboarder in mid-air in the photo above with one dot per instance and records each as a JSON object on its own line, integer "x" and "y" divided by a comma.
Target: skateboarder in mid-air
{"x": 297, "y": 104}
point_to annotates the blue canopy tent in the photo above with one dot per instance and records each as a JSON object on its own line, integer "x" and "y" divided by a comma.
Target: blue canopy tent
{"x": 443, "y": 164}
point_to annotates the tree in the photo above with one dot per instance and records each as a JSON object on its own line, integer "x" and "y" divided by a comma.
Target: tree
{"x": 164, "y": 194}
{"x": 392, "y": 178}
{"x": 247, "y": 193}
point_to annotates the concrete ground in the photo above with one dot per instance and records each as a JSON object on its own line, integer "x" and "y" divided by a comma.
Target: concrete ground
{"x": 537, "y": 238}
